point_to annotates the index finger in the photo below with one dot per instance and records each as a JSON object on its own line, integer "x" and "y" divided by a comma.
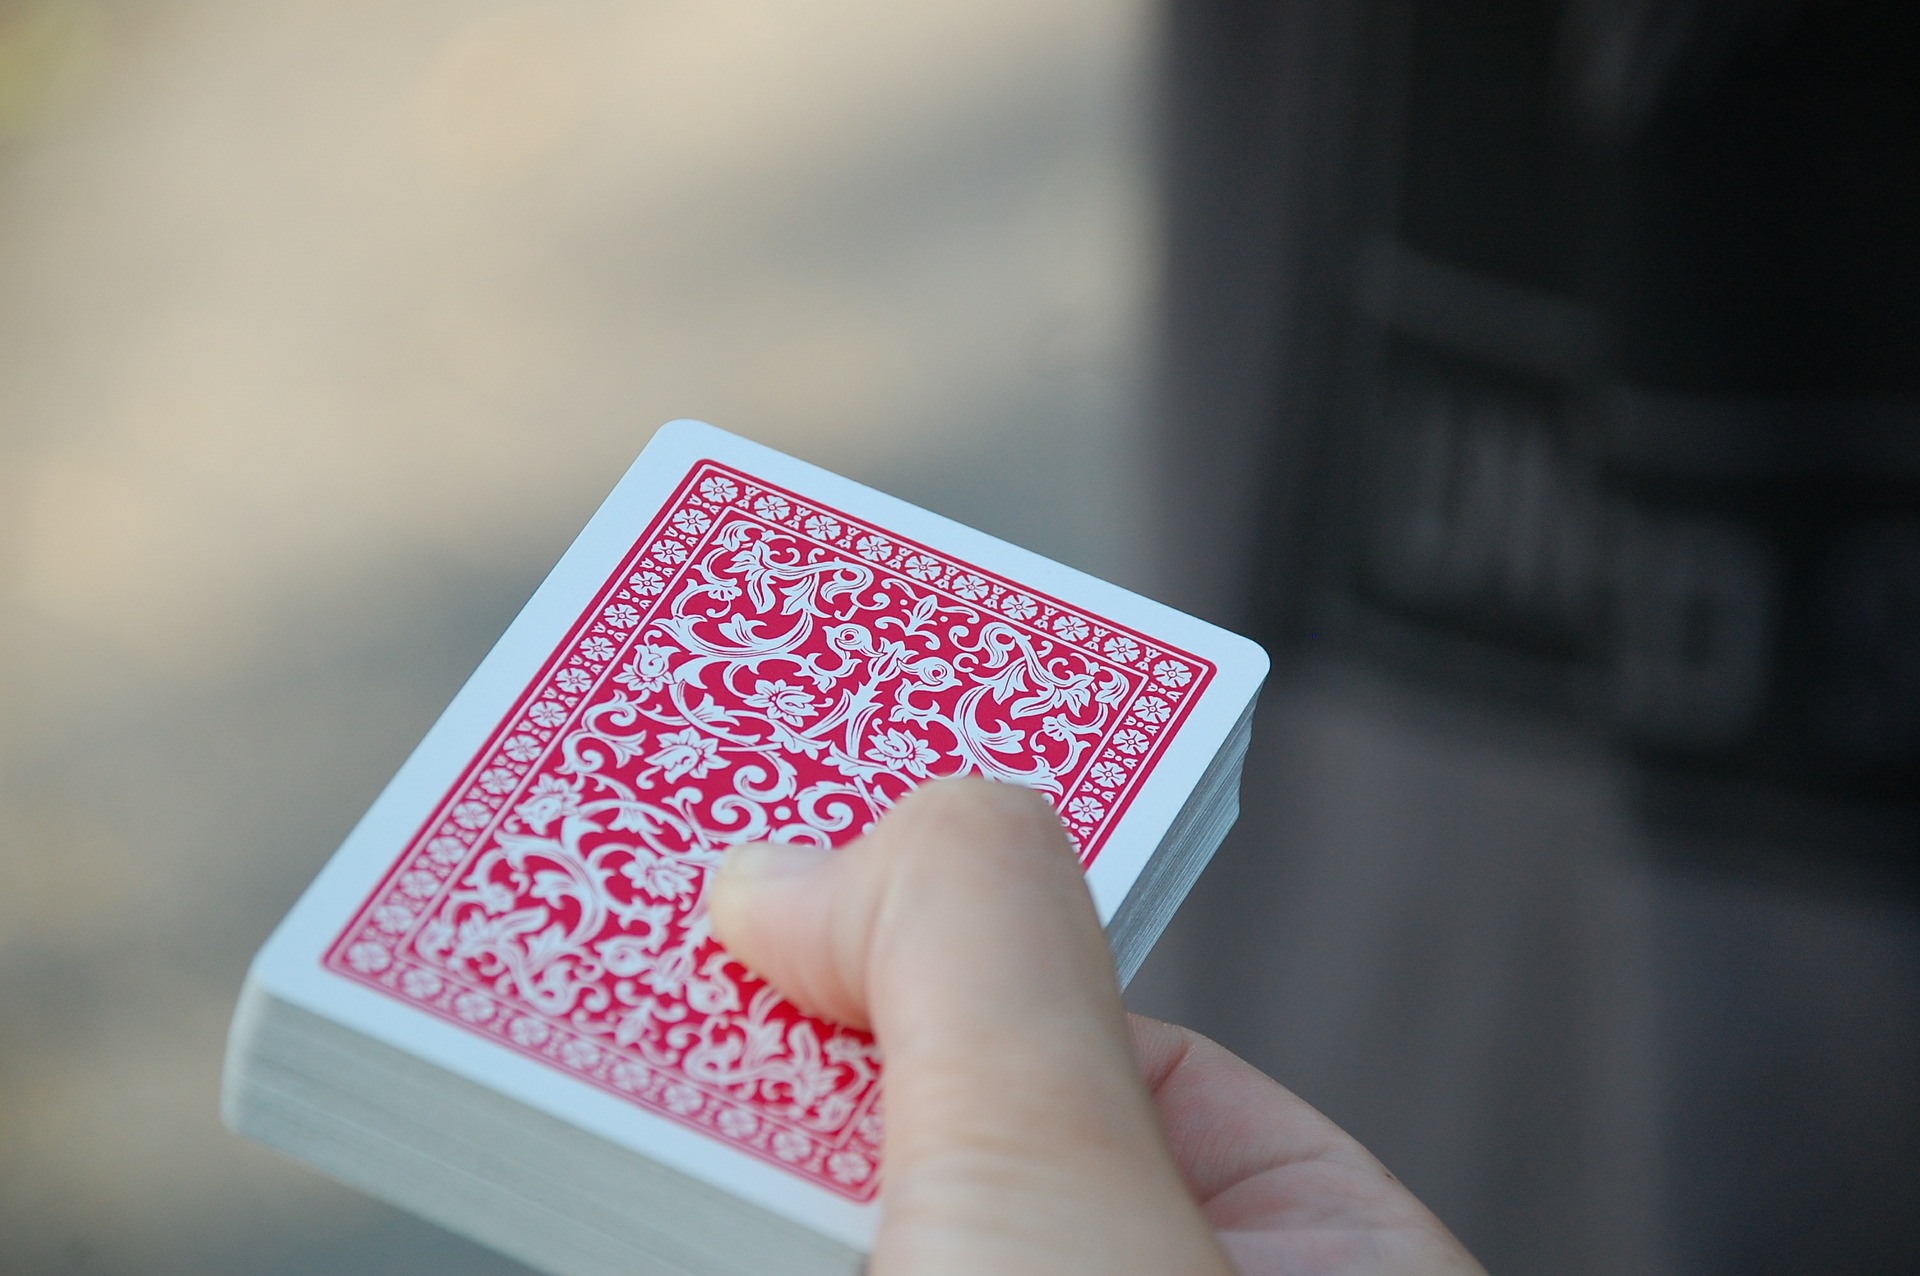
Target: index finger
{"x": 1226, "y": 1120}
{"x": 1284, "y": 1185}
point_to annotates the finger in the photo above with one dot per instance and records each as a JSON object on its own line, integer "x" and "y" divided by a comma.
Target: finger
{"x": 1019, "y": 1135}
{"x": 767, "y": 902}
{"x": 1225, "y": 1119}
{"x": 1273, "y": 1173}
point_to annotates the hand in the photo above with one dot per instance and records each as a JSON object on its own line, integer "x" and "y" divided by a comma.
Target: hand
{"x": 1024, "y": 1134}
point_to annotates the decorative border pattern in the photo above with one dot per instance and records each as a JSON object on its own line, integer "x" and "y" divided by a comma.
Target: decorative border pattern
{"x": 553, "y": 901}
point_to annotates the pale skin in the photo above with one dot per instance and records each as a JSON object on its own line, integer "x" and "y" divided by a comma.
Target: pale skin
{"x": 1031, "y": 1127}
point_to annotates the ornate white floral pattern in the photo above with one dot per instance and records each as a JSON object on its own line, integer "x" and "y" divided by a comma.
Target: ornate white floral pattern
{"x": 760, "y": 666}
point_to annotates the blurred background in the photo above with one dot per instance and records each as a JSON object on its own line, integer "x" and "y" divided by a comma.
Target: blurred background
{"x": 1538, "y": 381}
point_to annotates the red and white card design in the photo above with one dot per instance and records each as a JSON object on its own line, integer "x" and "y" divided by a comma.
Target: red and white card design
{"x": 760, "y": 666}
{"x": 738, "y": 646}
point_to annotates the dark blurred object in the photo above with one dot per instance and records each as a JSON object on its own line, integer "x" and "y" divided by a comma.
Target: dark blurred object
{"x": 1602, "y": 360}
{"x": 1542, "y": 382}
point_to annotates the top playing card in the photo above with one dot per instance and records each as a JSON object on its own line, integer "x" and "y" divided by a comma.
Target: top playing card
{"x": 762, "y": 651}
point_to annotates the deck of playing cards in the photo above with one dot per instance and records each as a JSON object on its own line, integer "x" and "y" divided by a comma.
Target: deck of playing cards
{"x": 501, "y": 1006}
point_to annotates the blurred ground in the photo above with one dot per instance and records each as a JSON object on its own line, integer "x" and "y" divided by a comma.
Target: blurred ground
{"x": 323, "y": 326}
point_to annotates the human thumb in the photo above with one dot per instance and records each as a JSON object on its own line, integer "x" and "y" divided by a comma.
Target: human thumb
{"x": 1019, "y": 1134}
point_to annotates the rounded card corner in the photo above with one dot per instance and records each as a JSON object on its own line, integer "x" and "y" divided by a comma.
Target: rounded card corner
{"x": 685, "y": 428}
